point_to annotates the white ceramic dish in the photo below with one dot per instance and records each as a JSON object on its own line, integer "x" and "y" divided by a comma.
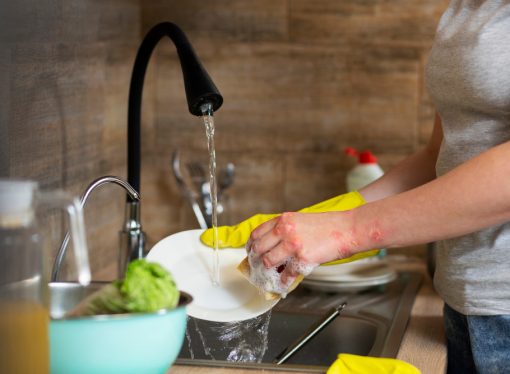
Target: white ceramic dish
{"x": 190, "y": 263}
{"x": 350, "y": 277}
{"x": 362, "y": 270}
{"x": 353, "y": 286}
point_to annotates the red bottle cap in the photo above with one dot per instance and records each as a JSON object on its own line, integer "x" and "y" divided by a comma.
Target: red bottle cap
{"x": 366, "y": 157}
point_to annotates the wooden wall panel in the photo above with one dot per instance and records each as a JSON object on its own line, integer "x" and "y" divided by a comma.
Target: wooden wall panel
{"x": 65, "y": 69}
{"x": 301, "y": 81}
{"x": 399, "y": 23}
{"x": 5, "y": 100}
{"x": 261, "y": 20}
{"x": 295, "y": 98}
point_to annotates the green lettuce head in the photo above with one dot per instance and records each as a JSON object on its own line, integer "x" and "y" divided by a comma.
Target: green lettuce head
{"x": 148, "y": 287}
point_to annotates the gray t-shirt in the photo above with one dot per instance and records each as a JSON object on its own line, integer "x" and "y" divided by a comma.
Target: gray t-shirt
{"x": 468, "y": 78}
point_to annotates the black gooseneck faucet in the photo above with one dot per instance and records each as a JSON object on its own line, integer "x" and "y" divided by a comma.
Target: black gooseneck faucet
{"x": 200, "y": 91}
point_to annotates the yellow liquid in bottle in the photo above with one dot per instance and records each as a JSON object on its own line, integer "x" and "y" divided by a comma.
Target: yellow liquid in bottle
{"x": 24, "y": 341}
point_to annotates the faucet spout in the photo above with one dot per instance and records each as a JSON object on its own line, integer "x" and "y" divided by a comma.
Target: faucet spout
{"x": 200, "y": 90}
{"x": 199, "y": 87}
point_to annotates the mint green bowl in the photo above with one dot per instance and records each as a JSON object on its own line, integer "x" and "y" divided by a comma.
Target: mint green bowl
{"x": 124, "y": 343}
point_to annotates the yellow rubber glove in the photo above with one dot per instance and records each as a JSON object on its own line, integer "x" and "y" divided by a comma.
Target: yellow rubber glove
{"x": 352, "y": 364}
{"x": 237, "y": 236}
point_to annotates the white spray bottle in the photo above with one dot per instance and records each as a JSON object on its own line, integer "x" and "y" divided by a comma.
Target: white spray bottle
{"x": 365, "y": 172}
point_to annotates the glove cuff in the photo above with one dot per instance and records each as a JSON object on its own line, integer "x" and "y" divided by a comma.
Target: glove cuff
{"x": 347, "y": 201}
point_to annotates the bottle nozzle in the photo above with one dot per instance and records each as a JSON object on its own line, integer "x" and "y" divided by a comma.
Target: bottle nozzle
{"x": 365, "y": 157}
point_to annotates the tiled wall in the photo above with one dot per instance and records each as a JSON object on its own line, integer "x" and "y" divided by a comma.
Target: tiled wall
{"x": 301, "y": 80}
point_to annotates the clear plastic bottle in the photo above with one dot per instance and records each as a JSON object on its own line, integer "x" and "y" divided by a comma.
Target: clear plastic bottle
{"x": 24, "y": 317}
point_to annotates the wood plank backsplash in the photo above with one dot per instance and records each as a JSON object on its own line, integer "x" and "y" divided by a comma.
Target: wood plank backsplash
{"x": 301, "y": 80}
{"x": 65, "y": 67}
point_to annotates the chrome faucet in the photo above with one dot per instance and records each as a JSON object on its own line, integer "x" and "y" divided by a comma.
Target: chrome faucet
{"x": 200, "y": 90}
{"x": 59, "y": 259}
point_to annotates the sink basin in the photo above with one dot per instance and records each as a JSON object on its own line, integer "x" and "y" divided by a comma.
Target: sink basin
{"x": 347, "y": 334}
{"x": 372, "y": 324}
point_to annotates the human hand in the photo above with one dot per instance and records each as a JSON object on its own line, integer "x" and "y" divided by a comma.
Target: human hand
{"x": 298, "y": 242}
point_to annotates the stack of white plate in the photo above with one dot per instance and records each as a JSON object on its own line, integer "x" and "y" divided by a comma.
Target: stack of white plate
{"x": 350, "y": 277}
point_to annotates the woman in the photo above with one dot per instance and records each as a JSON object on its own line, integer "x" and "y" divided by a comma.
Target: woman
{"x": 455, "y": 191}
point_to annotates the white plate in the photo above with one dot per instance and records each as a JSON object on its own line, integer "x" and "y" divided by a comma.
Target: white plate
{"x": 190, "y": 263}
{"x": 369, "y": 269}
{"x": 357, "y": 286}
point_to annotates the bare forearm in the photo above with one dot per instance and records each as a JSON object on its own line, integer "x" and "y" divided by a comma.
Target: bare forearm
{"x": 471, "y": 197}
{"x": 412, "y": 172}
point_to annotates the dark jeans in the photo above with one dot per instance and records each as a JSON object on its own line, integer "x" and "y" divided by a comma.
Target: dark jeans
{"x": 477, "y": 344}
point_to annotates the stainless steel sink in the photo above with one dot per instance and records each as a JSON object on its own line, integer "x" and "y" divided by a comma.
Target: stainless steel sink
{"x": 372, "y": 324}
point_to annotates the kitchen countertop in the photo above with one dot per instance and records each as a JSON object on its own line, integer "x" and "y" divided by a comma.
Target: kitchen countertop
{"x": 423, "y": 344}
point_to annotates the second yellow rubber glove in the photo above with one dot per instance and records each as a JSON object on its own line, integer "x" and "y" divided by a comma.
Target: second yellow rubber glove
{"x": 353, "y": 364}
{"x": 237, "y": 236}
